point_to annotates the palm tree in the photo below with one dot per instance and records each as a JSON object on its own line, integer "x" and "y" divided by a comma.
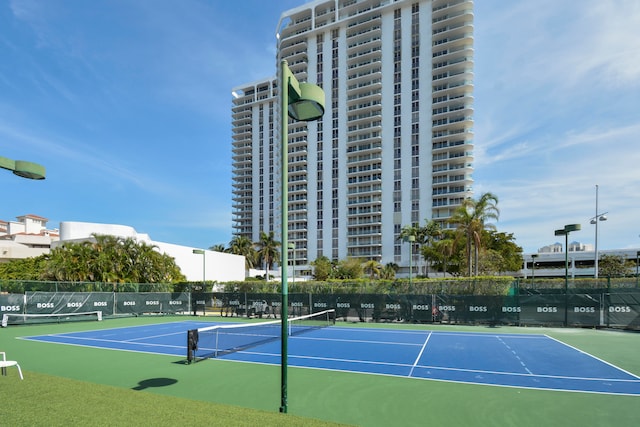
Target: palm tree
{"x": 471, "y": 219}
{"x": 242, "y": 245}
{"x": 268, "y": 250}
{"x": 445, "y": 248}
{"x": 373, "y": 267}
{"x": 218, "y": 248}
{"x": 111, "y": 259}
{"x": 389, "y": 271}
{"x": 426, "y": 237}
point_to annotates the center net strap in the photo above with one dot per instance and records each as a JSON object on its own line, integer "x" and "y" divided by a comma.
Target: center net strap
{"x": 215, "y": 341}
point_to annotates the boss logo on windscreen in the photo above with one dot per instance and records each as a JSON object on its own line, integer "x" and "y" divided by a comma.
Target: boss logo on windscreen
{"x": 45, "y": 305}
{"x": 620, "y": 309}
{"x": 9, "y": 308}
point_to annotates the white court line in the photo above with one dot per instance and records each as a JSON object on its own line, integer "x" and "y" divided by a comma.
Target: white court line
{"x": 594, "y": 357}
{"x": 515, "y": 354}
{"x": 154, "y": 336}
{"x": 420, "y": 354}
{"x": 373, "y": 362}
{"x": 329, "y": 359}
{"x": 531, "y": 375}
{"x": 307, "y": 337}
{"x": 86, "y": 339}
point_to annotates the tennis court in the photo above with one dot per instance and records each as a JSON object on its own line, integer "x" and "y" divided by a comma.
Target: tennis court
{"x": 487, "y": 358}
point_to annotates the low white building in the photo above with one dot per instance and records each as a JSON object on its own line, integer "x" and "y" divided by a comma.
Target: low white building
{"x": 210, "y": 265}
{"x": 29, "y": 237}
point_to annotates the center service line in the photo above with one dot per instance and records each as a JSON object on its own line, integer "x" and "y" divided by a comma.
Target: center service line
{"x": 420, "y": 354}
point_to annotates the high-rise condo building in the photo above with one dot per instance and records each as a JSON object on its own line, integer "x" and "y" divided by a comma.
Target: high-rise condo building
{"x": 394, "y": 147}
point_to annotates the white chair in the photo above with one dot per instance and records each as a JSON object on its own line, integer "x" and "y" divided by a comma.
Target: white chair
{"x": 4, "y": 363}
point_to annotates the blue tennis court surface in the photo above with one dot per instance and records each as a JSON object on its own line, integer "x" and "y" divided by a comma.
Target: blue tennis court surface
{"x": 509, "y": 360}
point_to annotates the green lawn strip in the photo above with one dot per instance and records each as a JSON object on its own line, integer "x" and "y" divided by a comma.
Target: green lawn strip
{"x": 45, "y": 400}
{"x": 358, "y": 399}
{"x": 370, "y": 400}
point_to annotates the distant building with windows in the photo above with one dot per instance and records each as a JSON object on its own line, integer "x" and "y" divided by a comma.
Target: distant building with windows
{"x": 573, "y": 247}
{"x": 26, "y": 237}
{"x": 395, "y": 145}
{"x": 549, "y": 261}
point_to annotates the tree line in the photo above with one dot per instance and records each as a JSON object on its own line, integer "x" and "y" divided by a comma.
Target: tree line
{"x": 467, "y": 244}
{"x": 108, "y": 259}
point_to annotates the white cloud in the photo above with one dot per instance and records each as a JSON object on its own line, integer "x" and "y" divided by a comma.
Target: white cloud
{"x": 557, "y": 89}
{"x": 606, "y": 46}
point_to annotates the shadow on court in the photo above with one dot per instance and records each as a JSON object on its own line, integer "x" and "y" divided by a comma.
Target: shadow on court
{"x": 155, "y": 382}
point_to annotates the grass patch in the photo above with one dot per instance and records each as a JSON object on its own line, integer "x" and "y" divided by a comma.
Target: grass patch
{"x": 46, "y": 400}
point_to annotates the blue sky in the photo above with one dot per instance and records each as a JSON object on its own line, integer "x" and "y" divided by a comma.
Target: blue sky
{"x": 127, "y": 103}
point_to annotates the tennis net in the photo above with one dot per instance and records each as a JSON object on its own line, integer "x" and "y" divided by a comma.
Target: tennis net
{"x": 21, "y": 318}
{"x": 214, "y": 341}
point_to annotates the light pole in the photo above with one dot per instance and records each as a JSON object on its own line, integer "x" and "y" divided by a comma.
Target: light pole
{"x": 23, "y": 169}
{"x": 411, "y": 239}
{"x": 637, "y": 265}
{"x": 594, "y": 220}
{"x": 301, "y": 102}
{"x": 292, "y": 246}
{"x": 533, "y": 267}
{"x": 565, "y": 232}
{"x": 200, "y": 252}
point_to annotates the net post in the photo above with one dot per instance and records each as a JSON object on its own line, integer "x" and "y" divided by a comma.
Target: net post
{"x": 192, "y": 344}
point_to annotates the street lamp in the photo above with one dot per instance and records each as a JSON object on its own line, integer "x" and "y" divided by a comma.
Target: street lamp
{"x": 23, "y": 169}
{"x": 565, "y": 232}
{"x": 411, "y": 239}
{"x": 200, "y": 252}
{"x": 594, "y": 220}
{"x": 533, "y": 267}
{"x": 301, "y": 102}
